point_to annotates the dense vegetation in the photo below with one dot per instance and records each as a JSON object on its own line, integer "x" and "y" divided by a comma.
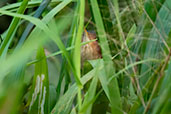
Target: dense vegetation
{"x": 40, "y": 70}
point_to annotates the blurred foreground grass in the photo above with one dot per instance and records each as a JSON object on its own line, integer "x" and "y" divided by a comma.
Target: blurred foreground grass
{"x": 40, "y": 71}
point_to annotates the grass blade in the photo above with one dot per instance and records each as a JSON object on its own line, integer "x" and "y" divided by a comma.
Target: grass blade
{"x": 77, "y": 50}
{"x": 112, "y": 90}
{"x": 40, "y": 89}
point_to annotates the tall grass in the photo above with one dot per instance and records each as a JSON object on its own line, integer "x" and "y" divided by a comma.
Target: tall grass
{"x": 40, "y": 69}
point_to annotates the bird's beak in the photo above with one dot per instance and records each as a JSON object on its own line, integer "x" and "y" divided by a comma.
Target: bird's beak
{"x": 86, "y": 36}
{"x": 86, "y": 33}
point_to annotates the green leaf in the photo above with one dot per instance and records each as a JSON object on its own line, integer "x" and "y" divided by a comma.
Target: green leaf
{"x": 77, "y": 50}
{"x": 40, "y": 90}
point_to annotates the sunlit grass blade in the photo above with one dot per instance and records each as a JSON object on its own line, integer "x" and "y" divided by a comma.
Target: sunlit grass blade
{"x": 77, "y": 50}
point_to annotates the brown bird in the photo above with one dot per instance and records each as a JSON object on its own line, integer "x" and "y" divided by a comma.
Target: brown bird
{"x": 91, "y": 50}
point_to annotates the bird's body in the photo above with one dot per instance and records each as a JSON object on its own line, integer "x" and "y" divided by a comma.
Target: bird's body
{"x": 91, "y": 50}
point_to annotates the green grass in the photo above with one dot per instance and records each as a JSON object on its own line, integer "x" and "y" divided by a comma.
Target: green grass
{"x": 44, "y": 74}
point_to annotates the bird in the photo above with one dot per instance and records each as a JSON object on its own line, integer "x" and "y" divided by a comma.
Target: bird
{"x": 92, "y": 50}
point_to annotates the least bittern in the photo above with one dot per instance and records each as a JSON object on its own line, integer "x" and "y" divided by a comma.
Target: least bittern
{"x": 91, "y": 50}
